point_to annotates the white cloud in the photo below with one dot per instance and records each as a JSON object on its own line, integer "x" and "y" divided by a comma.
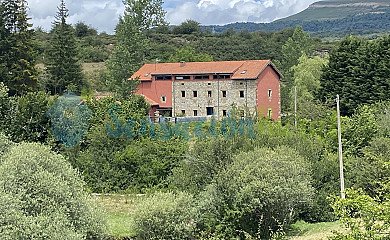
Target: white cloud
{"x": 100, "y": 14}
{"x": 104, "y": 14}
{"x": 209, "y": 12}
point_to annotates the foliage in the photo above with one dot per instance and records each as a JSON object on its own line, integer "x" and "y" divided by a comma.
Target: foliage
{"x": 132, "y": 43}
{"x": 5, "y": 145}
{"x": 17, "y": 66}
{"x": 62, "y": 64}
{"x": 296, "y": 46}
{"x": 204, "y": 161}
{"x": 187, "y": 27}
{"x": 259, "y": 192}
{"x": 187, "y": 54}
{"x": 24, "y": 118}
{"x": 307, "y": 74}
{"x": 83, "y": 30}
{"x": 166, "y": 216}
{"x": 43, "y": 197}
{"x": 365, "y": 217}
{"x": 358, "y": 72}
{"x": 293, "y": 49}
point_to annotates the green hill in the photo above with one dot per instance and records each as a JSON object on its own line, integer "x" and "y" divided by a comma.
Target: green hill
{"x": 339, "y": 9}
{"x": 329, "y": 18}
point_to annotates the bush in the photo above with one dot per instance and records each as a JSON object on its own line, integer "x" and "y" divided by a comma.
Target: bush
{"x": 42, "y": 197}
{"x": 166, "y": 216}
{"x": 259, "y": 193}
{"x": 5, "y": 144}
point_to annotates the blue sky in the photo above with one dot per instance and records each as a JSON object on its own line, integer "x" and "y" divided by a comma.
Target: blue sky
{"x": 104, "y": 14}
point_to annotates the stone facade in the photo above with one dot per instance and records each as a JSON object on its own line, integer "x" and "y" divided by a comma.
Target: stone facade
{"x": 202, "y": 96}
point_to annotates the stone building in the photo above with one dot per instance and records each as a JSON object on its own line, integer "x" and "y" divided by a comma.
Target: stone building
{"x": 211, "y": 88}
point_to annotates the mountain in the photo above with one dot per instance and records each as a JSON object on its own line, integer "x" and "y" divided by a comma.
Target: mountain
{"x": 337, "y": 17}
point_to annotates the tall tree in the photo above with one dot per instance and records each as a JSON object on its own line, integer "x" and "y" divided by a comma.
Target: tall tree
{"x": 132, "y": 44}
{"x": 343, "y": 74}
{"x": 307, "y": 74}
{"x": 63, "y": 65}
{"x": 16, "y": 48}
{"x": 292, "y": 50}
{"x": 359, "y": 72}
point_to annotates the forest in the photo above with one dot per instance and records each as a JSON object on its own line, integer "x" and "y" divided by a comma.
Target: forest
{"x": 63, "y": 175}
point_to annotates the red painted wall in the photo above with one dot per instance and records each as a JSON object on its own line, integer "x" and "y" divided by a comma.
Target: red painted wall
{"x": 155, "y": 89}
{"x": 268, "y": 79}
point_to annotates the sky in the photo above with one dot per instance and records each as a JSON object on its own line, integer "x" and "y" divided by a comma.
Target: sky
{"x": 103, "y": 14}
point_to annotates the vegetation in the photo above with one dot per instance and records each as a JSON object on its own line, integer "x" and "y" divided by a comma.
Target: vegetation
{"x": 35, "y": 203}
{"x": 63, "y": 66}
{"x": 281, "y": 179}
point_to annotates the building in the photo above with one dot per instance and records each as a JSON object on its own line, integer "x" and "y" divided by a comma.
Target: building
{"x": 210, "y": 88}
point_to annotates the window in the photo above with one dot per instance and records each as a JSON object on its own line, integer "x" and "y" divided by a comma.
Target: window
{"x": 269, "y": 93}
{"x": 163, "y": 99}
{"x": 208, "y": 93}
{"x": 163, "y": 78}
{"x": 182, "y": 77}
{"x": 269, "y": 113}
{"x": 244, "y": 71}
{"x": 209, "y": 83}
{"x": 221, "y": 76}
{"x": 195, "y": 113}
{"x": 224, "y": 113}
{"x": 147, "y": 74}
{"x": 223, "y": 93}
{"x": 210, "y": 111}
{"x": 198, "y": 77}
{"x": 183, "y": 112}
{"x": 241, "y": 94}
{"x": 241, "y": 83}
{"x": 183, "y": 93}
{"x": 195, "y": 93}
{"x": 182, "y": 84}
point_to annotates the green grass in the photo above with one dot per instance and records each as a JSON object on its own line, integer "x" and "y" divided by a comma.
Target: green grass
{"x": 313, "y": 231}
{"x": 119, "y": 209}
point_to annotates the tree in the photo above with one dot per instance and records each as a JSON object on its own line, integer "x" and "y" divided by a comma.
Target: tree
{"x": 188, "y": 54}
{"x": 63, "y": 65}
{"x": 83, "y": 30}
{"x": 132, "y": 44}
{"x": 343, "y": 76}
{"x": 187, "y": 27}
{"x": 307, "y": 74}
{"x": 17, "y": 66}
{"x": 292, "y": 50}
{"x": 42, "y": 197}
{"x": 259, "y": 192}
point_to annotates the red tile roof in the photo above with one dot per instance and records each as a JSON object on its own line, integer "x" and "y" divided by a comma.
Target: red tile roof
{"x": 150, "y": 101}
{"x": 249, "y": 69}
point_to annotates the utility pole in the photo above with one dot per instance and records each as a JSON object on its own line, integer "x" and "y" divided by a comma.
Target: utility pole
{"x": 340, "y": 148}
{"x": 295, "y": 106}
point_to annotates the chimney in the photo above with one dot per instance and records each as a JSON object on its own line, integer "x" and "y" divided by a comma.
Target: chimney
{"x": 182, "y": 63}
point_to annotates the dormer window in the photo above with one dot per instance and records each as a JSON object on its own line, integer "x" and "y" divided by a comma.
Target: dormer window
{"x": 243, "y": 72}
{"x": 147, "y": 74}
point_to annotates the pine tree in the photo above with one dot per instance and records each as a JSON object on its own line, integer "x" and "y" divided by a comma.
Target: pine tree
{"x": 132, "y": 43}
{"x": 63, "y": 63}
{"x": 345, "y": 75}
{"x": 16, "y": 48}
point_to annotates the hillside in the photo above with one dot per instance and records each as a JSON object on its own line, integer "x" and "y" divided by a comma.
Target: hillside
{"x": 331, "y": 17}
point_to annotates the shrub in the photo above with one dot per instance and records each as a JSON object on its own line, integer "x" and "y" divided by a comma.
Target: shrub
{"x": 5, "y": 144}
{"x": 259, "y": 193}
{"x": 42, "y": 197}
{"x": 166, "y": 216}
